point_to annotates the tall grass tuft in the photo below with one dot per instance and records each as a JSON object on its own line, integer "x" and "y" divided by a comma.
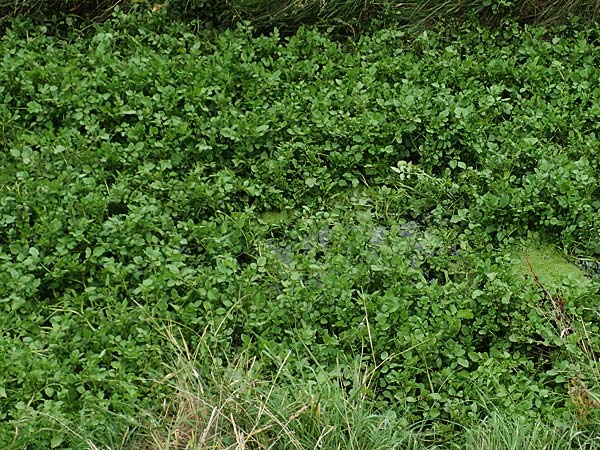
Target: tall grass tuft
{"x": 355, "y": 15}
{"x": 498, "y": 432}
{"x": 223, "y": 403}
{"x": 352, "y": 15}
{"x": 234, "y": 405}
{"x": 94, "y": 10}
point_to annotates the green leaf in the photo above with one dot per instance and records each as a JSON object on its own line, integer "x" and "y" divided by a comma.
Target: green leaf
{"x": 464, "y": 314}
{"x": 310, "y": 182}
{"x": 262, "y": 128}
{"x": 56, "y": 440}
{"x": 475, "y": 294}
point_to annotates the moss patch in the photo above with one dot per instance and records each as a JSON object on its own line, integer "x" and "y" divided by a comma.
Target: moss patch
{"x": 551, "y": 267}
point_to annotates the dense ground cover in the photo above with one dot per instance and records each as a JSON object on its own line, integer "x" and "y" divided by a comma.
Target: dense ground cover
{"x": 301, "y": 208}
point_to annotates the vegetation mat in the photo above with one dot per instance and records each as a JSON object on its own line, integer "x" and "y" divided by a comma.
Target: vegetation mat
{"x": 298, "y": 242}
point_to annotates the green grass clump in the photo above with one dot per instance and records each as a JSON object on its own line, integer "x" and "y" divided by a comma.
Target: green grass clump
{"x": 349, "y": 17}
{"x": 91, "y": 9}
{"x": 236, "y": 406}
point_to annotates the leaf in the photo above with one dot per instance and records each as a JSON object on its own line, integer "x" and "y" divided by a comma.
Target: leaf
{"x": 56, "y": 440}
{"x": 310, "y": 182}
{"x": 476, "y": 294}
{"x": 261, "y": 129}
{"x": 464, "y": 314}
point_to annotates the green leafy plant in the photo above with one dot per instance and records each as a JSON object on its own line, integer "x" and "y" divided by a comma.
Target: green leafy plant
{"x": 350, "y": 208}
